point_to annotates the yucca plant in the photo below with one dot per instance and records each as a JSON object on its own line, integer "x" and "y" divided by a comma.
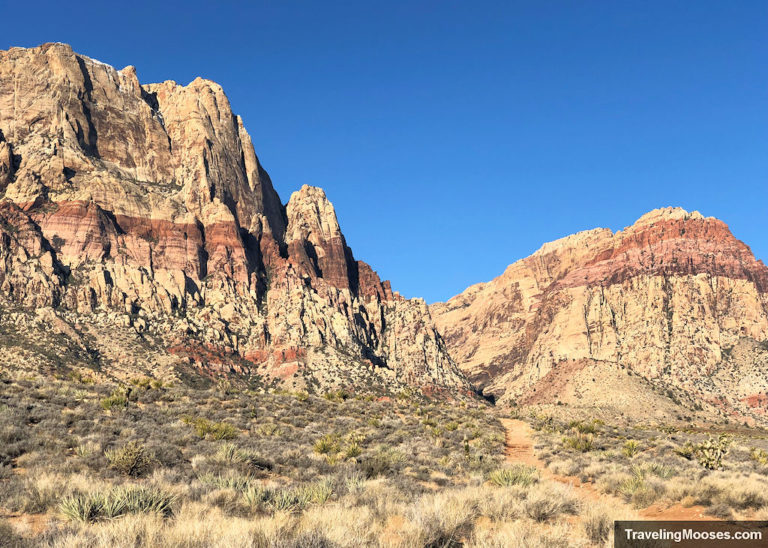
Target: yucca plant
{"x": 579, "y": 442}
{"x": 518, "y": 474}
{"x": 631, "y": 448}
{"x": 144, "y": 500}
{"x": 255, "y": 496}
{"x": 82, "y": 507}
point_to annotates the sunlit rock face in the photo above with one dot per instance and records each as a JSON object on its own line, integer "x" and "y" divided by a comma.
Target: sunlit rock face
{"x": 666, "y": 299}
{"x": 145, "y": 207}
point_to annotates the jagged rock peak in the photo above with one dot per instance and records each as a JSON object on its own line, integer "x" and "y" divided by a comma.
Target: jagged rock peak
{"x": 156, "y": 214}
{"x": 310, "y": 212}
{"x": 667, "y": 214}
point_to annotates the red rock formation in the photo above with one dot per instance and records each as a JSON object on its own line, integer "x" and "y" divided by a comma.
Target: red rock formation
{"x": 149, "y": 206}
{"x": 663, "y": 298}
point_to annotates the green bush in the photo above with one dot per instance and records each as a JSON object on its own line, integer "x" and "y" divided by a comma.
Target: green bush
{"x": 352, "y": 450}
{"x": 329, "y": 444}
{"x": 212, "y": 430}
{"x": 233, "y": 481}
{"x": 579, "y": 442}
{"x": 760, "y": 456}
{"x": 117, "y": 400}
{"x": 255, "y": 496}
{"x": 585, "y": 427}
{"x": 337, "y": 396}
{"x": 631, "y": 448}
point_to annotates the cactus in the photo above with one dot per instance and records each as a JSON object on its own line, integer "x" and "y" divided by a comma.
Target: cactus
{"x": 710, "y": 453}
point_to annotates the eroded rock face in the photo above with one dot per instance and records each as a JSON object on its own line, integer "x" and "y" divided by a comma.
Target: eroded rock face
{"x": 666, "y": 298}
{"x": 146, "y": 206}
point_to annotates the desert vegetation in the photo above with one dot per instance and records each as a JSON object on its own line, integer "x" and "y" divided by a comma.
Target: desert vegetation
{"x": 147, "y": 463}
{"x": 722, "y": 470}
{"x": 224, "y": 465}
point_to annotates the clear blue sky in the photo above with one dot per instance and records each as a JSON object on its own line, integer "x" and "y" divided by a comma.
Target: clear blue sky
{"x": 456, "y": 137}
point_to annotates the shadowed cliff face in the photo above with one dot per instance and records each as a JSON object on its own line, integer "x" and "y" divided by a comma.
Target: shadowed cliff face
{"x": 666, "y": 299}
{"x": 146, "y": 207}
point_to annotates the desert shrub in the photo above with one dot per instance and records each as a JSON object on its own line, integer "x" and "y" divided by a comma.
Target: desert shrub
{"x": 143, "y": 500}
{"x": 544, "y": 423}
{"x": 234, "y": 481}
{"x": 131, "y": 459}
{"x": 269, "y": 429}
{"x": 317, "y": 492}
{"x": 231, "y": 454}
{"x": 519, "y": 474}
{"x": 327, "y": 445}
{"x": 639, "y": 490}
{"x": 584, "y": 427}
{"x": 296, "y": 498}
{"x": 381, "y": 463}
{"x": 760, "y": 456}
{"x": 205, "y": 428}
{"x": 442, "y": 520}
{"x": 544, "y": 505}
{"x": 597, "y": 526}
{"x": 687, "y": 451}
{"x": 8, "y": 536}
{"x": 352, "y": 450}
{"x": 337, "y": 396}
{"x": 117, "y": 400}
{"x": 255, "y": 496}
{"x": 631, "y": 448}
{"x": 662, "y": 471}
{"x": 579, "y": 442}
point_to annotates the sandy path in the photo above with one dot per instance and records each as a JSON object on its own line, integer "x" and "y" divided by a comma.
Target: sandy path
{"x": 519, "y": 450}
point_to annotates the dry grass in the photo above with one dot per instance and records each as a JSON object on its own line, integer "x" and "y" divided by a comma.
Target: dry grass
{"x": 229, "y": 467}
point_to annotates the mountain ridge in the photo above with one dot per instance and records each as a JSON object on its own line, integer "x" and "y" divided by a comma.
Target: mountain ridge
{"x": 145, "y": 207}
{"x": 667, "y": 298}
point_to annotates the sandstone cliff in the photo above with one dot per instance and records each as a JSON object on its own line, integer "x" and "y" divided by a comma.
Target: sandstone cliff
{"x": 142, "y": 211}
{"x": 666, "y": 301}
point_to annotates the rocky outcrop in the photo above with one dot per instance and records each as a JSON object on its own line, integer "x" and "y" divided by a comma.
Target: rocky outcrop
{"x": 665, "y": 299}
{"x": 145, "y": 206}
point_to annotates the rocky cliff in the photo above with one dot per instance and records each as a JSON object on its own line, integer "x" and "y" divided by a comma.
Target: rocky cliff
{"x": 142, "y": 218}
{"x": 674, "y": 301}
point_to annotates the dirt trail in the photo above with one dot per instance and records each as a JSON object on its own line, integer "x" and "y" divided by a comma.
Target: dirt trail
{"x": 519, "y": 450}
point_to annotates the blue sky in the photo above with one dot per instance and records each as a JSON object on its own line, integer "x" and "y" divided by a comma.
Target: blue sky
{"x": 456, "y": 137}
